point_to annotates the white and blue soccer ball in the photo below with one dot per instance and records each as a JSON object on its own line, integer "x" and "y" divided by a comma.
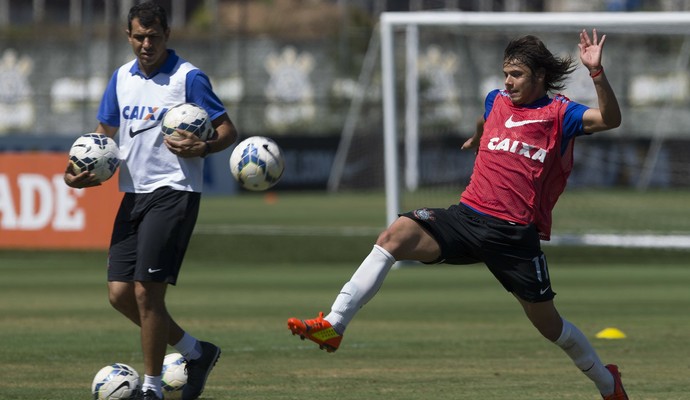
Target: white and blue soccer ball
{"x": 257, "y": 163}
{"x": 115, "y": 382}
{"x": 174, "y": 375}
{"x": 187, "y": 117}
{"x": 96, "y": 153}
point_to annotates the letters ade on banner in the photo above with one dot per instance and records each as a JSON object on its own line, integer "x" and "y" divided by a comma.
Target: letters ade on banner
{"x": 39, "y": 211}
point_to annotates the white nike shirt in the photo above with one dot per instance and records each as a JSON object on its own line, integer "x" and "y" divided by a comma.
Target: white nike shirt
{"x": 147, "y": 162}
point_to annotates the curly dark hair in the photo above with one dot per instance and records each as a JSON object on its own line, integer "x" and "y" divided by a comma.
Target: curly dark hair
{"x": 148, "y": 13}
{"x": 530, "y": 51}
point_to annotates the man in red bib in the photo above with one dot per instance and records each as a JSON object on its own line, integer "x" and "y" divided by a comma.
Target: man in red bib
{"x": 524, "y": 144}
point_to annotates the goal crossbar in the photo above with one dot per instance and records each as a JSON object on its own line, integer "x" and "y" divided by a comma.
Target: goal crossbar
{"x": 660, "y": 22}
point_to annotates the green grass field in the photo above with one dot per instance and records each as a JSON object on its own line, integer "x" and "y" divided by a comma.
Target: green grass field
{"x": 440, "y": 332}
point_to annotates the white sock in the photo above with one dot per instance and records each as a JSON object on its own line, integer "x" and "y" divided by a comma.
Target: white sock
{"x": 576, "y": 345}
{"x": 189, "y": 347}
{"x": 152, "y": 383}
{"x": 361, "y": 288}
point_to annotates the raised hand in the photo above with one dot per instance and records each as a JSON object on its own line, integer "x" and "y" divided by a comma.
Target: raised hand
{"x": 591, "y": 49}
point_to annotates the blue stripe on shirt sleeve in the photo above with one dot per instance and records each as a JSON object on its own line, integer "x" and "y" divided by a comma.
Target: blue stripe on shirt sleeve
{"x": 572, "y": 123}
{"x": 109, "y": 109}
{"x": 489, "y": 102}
{"x": 199, "y": 91}
{"x": 572, "y": 120}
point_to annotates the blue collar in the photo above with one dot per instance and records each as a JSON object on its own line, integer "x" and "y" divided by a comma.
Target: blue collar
{"x": 541, "y": 102}
{"x": 166, "y": 68}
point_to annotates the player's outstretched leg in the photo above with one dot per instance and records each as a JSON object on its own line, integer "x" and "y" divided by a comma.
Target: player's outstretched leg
{"x": 580, "y": 350}
{"x": 618, "y": 391}
{"x": 198, "y": 370}
{"x": 318, "y": 330}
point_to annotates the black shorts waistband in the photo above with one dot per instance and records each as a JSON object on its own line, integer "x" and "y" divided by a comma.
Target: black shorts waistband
{"x": 488, "y": 216}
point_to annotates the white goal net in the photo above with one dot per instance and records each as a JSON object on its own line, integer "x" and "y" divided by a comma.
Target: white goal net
{"x": 422, "y": 88}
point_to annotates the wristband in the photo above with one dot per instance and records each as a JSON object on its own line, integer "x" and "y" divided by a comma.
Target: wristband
{"x": 207, "y": 150}
{"x": 594, "y": 75}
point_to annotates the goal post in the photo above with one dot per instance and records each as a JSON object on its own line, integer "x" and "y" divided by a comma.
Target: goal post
{"x": 400, "y": 43}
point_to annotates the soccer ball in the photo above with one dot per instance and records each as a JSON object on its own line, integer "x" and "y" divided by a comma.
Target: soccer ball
{"x": 174, "y": 374}
{"x": 115, "y": 382}
{"x": 96, "y": 153}
{"x": 257, "y": 163}
{"x": 187, "y": 117}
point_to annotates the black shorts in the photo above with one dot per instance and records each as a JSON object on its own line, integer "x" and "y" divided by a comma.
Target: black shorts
{"x": 151, "y": 235}
{"x": 512, "y": 252}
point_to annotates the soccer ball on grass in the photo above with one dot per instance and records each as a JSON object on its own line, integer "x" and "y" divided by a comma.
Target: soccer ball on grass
{"x": 96, "y": 153}
{"x": 257, "y": 163}
{"x": 187, "y": 117}
{"x": 174, "y": 374}
{"x": 115, "y": 382}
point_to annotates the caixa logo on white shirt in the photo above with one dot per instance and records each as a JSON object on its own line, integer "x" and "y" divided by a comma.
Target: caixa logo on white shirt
{"x": 143, "y": 113}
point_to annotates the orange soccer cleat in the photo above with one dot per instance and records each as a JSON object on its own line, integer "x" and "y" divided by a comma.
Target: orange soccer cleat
{"x": 618, "y": 390}
{"x": 318, "y": 330}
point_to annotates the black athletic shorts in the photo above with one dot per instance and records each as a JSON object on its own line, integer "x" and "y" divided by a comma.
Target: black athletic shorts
{"x": 151, "y": 235}
{"x": 511, "y": 251}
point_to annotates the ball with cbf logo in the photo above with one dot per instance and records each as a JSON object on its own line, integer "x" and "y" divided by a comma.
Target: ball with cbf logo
{"x": 173, "y": 375}
{"x": 187, "y": 117}
{"x": 96, "y": 153}
{"x": 257, "y": 163}
{"x": 115, "y": 382}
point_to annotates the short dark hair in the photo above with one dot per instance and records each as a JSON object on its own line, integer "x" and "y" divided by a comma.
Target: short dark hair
{"x": 530, "y": 51}
{"x": 148, "y": 14}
